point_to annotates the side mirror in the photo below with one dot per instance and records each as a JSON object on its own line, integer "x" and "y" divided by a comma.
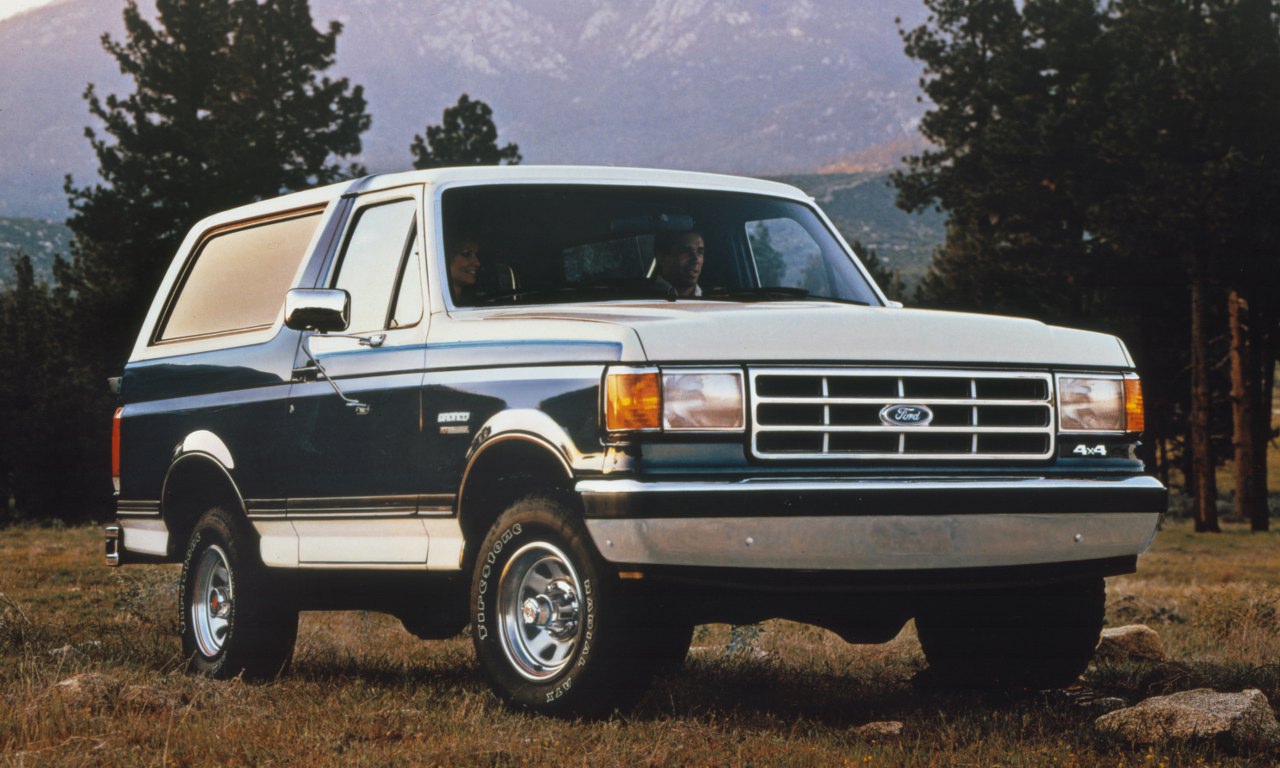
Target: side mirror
{"x": 317, "y": 309}
{"x": 895, "y": 304}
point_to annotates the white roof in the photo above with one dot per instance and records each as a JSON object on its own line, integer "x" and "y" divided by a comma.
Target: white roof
{"x": 558, "y": 174}
{"x": 581, "y": 173}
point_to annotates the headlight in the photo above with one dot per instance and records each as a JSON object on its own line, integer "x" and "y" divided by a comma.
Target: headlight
{"x": 702, "y": 400}
{"x": 676, "y": 400}
{"x": 1098, "y": 404}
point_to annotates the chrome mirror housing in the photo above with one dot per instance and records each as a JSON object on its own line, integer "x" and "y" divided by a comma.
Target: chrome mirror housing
{"x": 317, "y": 309}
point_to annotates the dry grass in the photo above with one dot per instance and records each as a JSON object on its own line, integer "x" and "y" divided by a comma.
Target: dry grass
{"x": 364, "y": 692}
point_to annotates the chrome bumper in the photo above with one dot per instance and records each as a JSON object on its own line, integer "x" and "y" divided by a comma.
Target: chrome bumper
{"x": 873, "y": 525}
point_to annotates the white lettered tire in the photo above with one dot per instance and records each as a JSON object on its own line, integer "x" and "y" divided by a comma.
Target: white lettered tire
{"x": 232, "y": 617}
{"x": 549, "y": 622}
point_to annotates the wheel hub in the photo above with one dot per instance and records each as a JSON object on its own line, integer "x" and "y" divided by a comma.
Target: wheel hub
{"x": 219, "y": 603}
{"x": 555, "y": 610}
{"x": 541, "y": 611}
{"x": 211, "y": 601}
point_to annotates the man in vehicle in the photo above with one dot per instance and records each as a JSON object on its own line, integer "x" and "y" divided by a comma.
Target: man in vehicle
{"x": 679, "y": 256}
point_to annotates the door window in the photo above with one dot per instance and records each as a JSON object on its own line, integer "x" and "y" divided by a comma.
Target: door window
{"x": 380, "y": 268}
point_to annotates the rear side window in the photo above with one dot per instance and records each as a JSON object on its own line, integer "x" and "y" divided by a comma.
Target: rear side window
{"x": 238, "y": 278}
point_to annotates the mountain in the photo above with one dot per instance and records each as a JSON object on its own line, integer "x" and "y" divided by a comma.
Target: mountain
{"x": 861, "y": 205}
{"x": 761, "y": 87}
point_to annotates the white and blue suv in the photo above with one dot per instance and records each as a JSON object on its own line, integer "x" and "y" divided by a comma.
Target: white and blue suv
{"x": 499, "y": 397}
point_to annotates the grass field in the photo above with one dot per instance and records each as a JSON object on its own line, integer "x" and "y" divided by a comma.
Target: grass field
{"x": 364, "y": 692}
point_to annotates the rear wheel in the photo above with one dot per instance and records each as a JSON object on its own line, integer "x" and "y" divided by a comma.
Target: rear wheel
{"x": 234, "y": 619}
{"x": 550, "y": 626}
{"x": 1037, "y": 637}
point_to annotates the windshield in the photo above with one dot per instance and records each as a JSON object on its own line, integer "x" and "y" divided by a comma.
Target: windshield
{"x": 540, "y": 244}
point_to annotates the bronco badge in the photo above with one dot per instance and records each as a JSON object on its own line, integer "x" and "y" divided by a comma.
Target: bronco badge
{"x": 905, "y": 415}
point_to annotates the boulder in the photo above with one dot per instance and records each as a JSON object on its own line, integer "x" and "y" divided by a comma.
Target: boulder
{"x": 1135, "y": 642}
{"x": 1240, "y": 720}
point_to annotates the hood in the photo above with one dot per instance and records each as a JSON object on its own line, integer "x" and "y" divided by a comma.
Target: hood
{"x": 702, "y": 331}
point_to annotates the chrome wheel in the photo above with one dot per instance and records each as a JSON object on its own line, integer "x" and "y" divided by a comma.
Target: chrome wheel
{"x": 538, "y": 604}
{"x": 211, "y": 601}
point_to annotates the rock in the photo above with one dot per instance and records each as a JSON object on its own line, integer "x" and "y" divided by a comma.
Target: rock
{"x": 879, "y": 730}
{"x": 89, "y": 690}
{"x": 1242, "y": 720}
{"x": 1135, "y": 642}
{"x": 148, "y": 698}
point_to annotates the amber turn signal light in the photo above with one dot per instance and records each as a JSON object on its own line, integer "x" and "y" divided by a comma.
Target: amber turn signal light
{"x": 633, "y": 400}
{"x": 1134, "y": 418}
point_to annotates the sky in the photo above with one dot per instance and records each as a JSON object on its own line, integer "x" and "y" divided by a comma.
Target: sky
{"x": 14, "y": 7}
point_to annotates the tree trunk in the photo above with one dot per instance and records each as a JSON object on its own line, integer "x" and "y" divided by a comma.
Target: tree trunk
{"x": 1244, "y": 398}
{"x": 1264, "y": 356}
{"x": 1206, "y": 485}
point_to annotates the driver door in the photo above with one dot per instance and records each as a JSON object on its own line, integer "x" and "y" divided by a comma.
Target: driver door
{"x": 355, "y": 480}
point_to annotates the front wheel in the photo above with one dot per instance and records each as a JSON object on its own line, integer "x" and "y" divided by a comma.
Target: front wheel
{"x": 233, "y": 619}
{"x": 550, "y": 626}
{"x": 1035, "y": 637}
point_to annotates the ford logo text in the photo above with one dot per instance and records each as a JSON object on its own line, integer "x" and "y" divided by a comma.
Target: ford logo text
{"x": 905, "y": 415}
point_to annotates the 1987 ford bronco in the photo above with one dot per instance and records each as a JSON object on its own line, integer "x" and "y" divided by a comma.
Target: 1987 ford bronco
{"x": 582, "y": 462}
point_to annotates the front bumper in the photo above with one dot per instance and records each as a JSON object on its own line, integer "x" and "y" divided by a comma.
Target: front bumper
{"x": 905, "y": 526}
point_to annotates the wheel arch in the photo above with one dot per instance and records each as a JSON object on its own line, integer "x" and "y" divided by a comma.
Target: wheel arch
{"x": 500, "y": 470}
{"x": 195, "y": 482}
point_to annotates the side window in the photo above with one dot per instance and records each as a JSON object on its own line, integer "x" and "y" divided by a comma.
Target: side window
{"x": 379, "y": 267}
{"x": 407, "y": 309}
{"x": 786, "y": 256}
{"x": 238, "y": 278}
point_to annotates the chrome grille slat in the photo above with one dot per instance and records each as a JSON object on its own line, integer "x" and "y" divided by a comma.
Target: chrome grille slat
{"x": 1017, "y": 408}
{"x": 931, "y": 430}
{"x": 894, "y": 400}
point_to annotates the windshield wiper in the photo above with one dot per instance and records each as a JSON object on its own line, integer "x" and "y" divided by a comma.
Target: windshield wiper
{"x": 773, "y": 293}
{"x": 761, "y": 293}
{"x": 571, "y": 293}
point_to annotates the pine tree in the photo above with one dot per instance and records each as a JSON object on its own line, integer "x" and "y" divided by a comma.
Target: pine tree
{"x": 1008, "y": 87}
{"x": 41, "y": 407}
{"x": 228, "y": 106}
{"x": 466, "y": 136}
{"x": 889, "y": 280}
{"x": 1102, "y": 166}
{"x": 1194, "y": 190}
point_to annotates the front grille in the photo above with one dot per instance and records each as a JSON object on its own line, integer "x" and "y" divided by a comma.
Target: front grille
{"x": 836, "y": 413}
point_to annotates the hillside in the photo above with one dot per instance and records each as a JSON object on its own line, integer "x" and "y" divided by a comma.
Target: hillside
{"x": 861, "y": 205}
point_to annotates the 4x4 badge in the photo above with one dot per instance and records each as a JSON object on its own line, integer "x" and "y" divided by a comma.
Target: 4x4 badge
{"x": 906, "y": 415}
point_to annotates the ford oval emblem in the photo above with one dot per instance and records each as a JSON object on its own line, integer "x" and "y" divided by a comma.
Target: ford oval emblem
{"x": 906, "y": 415}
